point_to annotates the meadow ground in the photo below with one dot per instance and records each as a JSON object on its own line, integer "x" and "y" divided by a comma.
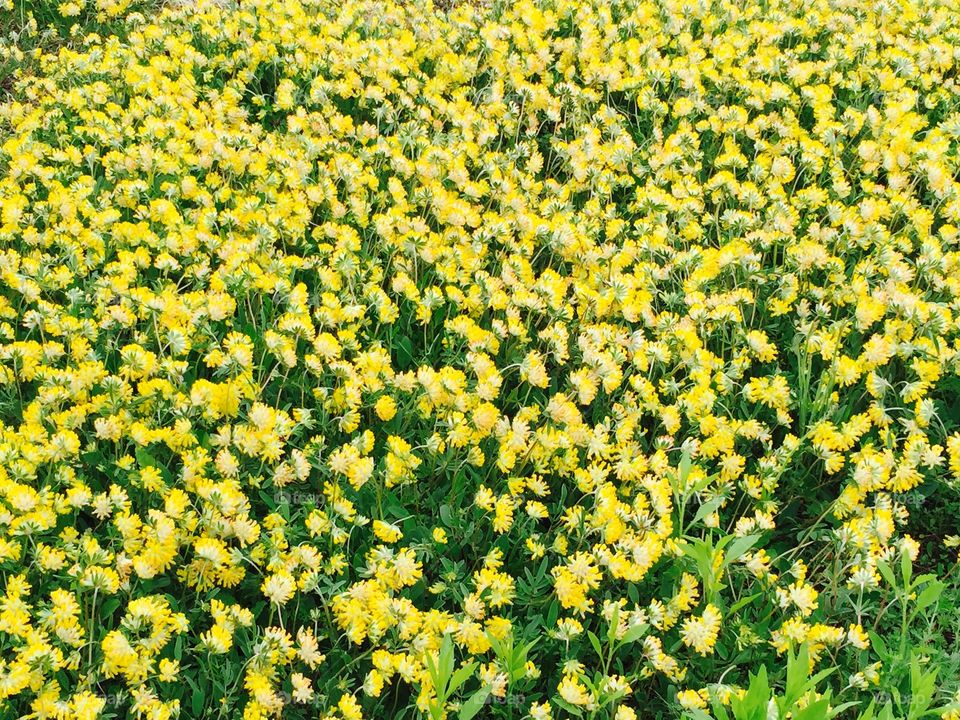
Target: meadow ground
{"x": 535, "y": 359}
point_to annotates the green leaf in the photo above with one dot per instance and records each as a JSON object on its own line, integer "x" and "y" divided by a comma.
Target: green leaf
{"x": 706, "y": 509}
{"x": 564, "y": 705}
{"x": 869, "y": 712}
{"x": 877, "y": 642}
{"x": 742, "y": 602}
{"x": 446, "y": 660}
{"x": 108, "y": 608}
{"x": 686, "y": 463}
{"x": 553, "y": 612}
{"x": 614, "y": 622}
{"x": 446, "y": 516}
{"x": 798, "y": 670}
{"x": 922, "y": 686}
{"x": 814, "y": 711}
{"x": 635, "y": 633}
{"x": 698, "y": 551}
{"x": 704, "y": 484}
{"x": 145, "y": 459}
{"x": 943, "y": 709}
{"x": 821, "y": 676}
{"x": 758, "y": 695}
{"x": 886, "y": 572}
{"x": 404, "y": 353}
{"x": 834, "y": 711}
{"x": 432, "y": 670}
{"x": 719, "y": 711}
{"x": 595, "y": 641}
{"x": 528, "y": 647}
{"x": 930, "y": 594}
{"x": 474, "y": 703}
{"x": 519, "y": 666}
{"x": 906, "y": 569}
{"x": 738, "y": 547}
{"x": 460, "y": 677}
{"x": 198, "y": 696}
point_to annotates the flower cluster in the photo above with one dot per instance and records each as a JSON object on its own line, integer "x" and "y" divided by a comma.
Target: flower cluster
{"x": 366, "y": 355}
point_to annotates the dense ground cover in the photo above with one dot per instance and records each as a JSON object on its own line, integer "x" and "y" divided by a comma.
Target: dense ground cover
{"x": 541, "y": 359}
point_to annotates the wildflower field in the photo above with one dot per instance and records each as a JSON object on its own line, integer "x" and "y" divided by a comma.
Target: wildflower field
{"x": 536, "y": 359}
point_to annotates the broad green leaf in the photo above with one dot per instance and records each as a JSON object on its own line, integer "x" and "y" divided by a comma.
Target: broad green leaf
{"x": 635, "y": 633}
{"x": 460, "y": 677}
{"x": 614, "y": 621}
{"x": 742, "y": 602}
{"x": 706, "y": 509}
{"x": 683, "y": 470}
{"x": 929, "y": 595}
{"x": 738, "y": 547}
{"x": 886, "y": 573}
{"x": 595, "y": 642}
{"x": 474, "y": 703}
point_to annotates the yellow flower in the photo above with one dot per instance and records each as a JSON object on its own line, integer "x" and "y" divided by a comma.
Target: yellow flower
{"x": 691, "y": 699}
{"x": 574, "y": 692}
{"x": 385, "y": 408}
{"x": 168, "y": 670}
{"x": 700, "y": 633}
{"x": 386, "y": 532}
{"x": 279, "y": 587}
